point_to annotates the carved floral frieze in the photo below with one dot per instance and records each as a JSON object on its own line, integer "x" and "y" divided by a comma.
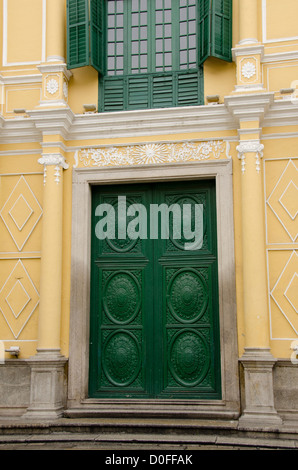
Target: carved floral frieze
{"x": 151, "y": 153}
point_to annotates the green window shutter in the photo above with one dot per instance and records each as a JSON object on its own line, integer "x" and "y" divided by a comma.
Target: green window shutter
{"x": 151, "y": 53}
{"x": 138, "y": 92}
{"x": 145, "y": 91}
{"x": 113, "y": 94}
{"x": 221, "y": 43}
{"x": 97, "y": 35}
{"x": 189, "y": 88}
{"x": 215, "y": 29}
{"x": 162, "y": 91}
{"x": 204, "y": 31}
{"x": 77, "y": 33}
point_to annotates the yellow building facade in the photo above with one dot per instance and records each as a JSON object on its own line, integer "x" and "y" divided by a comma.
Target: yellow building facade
{"x": 57, "y": 145}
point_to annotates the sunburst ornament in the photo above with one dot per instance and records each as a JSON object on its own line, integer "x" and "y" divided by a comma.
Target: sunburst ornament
{"x": 248, "y": 70}
{"x": 150, "y": 153}
{"x": 65, "y": 89}
{"x": 52, "y": 86}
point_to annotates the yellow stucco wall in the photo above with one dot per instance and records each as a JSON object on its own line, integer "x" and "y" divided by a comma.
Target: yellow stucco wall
{"x": 23, "y": 41}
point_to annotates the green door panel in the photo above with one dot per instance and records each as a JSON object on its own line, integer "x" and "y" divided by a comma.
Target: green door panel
{"x": 154, "y": 325}
{"x": 120, "y": 271}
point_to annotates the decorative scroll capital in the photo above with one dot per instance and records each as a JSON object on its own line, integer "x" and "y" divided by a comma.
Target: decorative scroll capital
{"x": 53, "y": 159}
{"x": 250, "y": 147}
{"x": 56, "y": 160}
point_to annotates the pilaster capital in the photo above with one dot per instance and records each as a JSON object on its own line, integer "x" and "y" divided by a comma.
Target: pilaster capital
{"x": 250, "y": 146}
{"x": 55, "y": 159}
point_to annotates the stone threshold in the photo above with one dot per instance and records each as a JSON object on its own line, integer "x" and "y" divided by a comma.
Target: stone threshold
{"x": 125, "y": 431}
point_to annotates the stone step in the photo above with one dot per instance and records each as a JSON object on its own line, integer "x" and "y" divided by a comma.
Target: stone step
{"x": 104, "y": 433}
{"x": 114, "y": 426}
{"x": 139, "y": 441}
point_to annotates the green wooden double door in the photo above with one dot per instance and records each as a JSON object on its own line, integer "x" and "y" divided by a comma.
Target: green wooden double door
{"x": 154, "y": 325}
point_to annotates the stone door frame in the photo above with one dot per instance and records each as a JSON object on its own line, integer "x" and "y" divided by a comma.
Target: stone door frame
{"x": 78, "y": 402}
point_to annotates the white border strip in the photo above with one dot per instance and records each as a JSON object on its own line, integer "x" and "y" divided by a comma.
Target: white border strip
{"x": 264, "y": 27}
{"x": 271, "y": 297}
{"x": 291, "y": 243}
{"x": 43, "y": 47}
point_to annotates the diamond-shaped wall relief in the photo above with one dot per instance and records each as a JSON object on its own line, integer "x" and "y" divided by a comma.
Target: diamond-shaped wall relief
{"x": 283, "y": 200}
{"x": 289, "y": 200}
{"x": 18, "y": 299}
{"x": 291, "y": 292}
{"x": 21, "y": 212}
{"x": 285, "y": 291}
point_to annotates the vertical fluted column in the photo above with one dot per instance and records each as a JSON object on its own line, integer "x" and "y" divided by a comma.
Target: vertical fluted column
{"x": 55, "y": 76}
{"x": 248, "y": 21}
{"x": 51, "y": 260}
{"x": 55, "y": 30}
{"x": 257, "y": 360}
{"x": 253, "y": 240}
{"x": 248, "y": 53}
{"x": 47, "y": 366}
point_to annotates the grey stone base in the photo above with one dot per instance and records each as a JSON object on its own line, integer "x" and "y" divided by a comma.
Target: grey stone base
{"x": 259, "y": 409}
{"x": 47, "y": 385}
{"x": 47, "y": 371}
{"x": 14, "y": 387}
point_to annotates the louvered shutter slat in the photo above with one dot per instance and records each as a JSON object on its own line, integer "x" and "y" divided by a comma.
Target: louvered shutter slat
{"x": 97, "y": 25}
{"x": 189, "y": 89}
{"x": 221, "y": 44}
{"x": 113, "y": 94}
{"x": 162, "y": 91}
{"x": 204, "y": 32}
{"x": 138, "y": 92}
{"x": 77, "y": 33}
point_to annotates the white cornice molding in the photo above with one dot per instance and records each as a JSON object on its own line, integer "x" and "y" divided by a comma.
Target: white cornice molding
{"x": 151, "y": 122}
{"x": 249, "y": 87}
{"x": 20, "y": 79}
{"x": 53, "y": 121}
{"x": 55, "y": 68}
{"x": 250, "y": 106}
{"x": 57, "y": 143}
{"x": 259, "y": 49}
{"x": 251, "y": 130}
{"x": 251, "y": 49}
{"x": 154, "y": 122}
{"x": 282, "y": 113}
{"x": 18, "y": 130}
{"x": 280, "y": 57}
